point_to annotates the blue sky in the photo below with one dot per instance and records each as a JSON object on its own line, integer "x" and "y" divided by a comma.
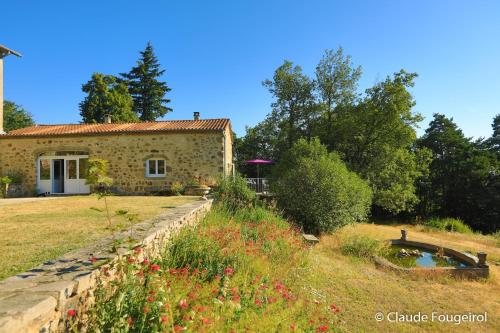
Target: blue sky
{"x": 216, "y": 53}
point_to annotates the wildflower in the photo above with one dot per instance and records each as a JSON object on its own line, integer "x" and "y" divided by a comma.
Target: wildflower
{"x": 164, "y": 319}
{"x": 258, "y": 302}
{"x": 130, "y": 260}
{"x": 205, "y": 321}
{"x": 236, "y": 298}
{"x": 322, "y": 328}
{"x": 145, "y": 262}
{"x": 71, "y": 313}
{"x": 140, "y": 273}
{"x": 229, "y": 271}
{"x": 334, "y": 308}
{"x": 93, "y": 260}
{"x": 155, "y": 268}
{"x": 293, "y": 327}
{"x": 201, "y": 309}
{"x": 178, "y": 328}
{"x": 183, "y": 304}
{"x": 146, "y": 309}
{"x": 221, "y": 298}
{"x": 130, "y": 321}
{"x": 272, "y": 299}
{"x": 138, "y": 249}
{"x": 150, "y": 299}
{"x": 217, "y": 278}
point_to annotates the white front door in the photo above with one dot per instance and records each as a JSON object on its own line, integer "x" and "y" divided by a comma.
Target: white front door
{"x": 75, "y": 168}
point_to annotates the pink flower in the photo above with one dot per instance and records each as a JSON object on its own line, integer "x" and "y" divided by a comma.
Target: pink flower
{"x": 71, "y": 313}
{"x": 229, "y": 271}
{"x": 258, "y": 302}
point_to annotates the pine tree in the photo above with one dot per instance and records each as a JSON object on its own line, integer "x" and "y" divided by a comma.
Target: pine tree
{"x": 146, "y": 90}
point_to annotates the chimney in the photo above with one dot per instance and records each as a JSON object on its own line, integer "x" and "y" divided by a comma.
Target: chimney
{"x": 196, "y": 116}
{"x": 107, "y": 119}
{"x": 3, "y": 53}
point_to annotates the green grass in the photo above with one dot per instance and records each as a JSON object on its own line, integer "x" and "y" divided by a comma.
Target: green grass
{"x": 34, "y": 232}
{"x": 448, "y": 224}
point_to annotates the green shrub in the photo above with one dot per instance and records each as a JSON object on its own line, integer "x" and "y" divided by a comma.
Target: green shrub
{"x": 449, "y": 224}
{"x": 176, "y": 188}
{"x": 4, "y": 185}
{"x": 233, "y": 193}
{"x": 315, "y": 189}
{"x": 362, "y": 246}
{"x": 192, "y": 249}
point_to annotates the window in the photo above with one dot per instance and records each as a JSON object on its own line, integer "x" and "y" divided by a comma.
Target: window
{"x": 44, "y": 169}
{"x": 155, "y": 168}
{"x": 82, "y": 170}
{"x": 71, "y": 169}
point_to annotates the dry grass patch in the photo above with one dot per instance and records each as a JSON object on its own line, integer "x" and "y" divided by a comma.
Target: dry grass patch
{"x": 34, "y": 232}
{"x": 362, "y": 290}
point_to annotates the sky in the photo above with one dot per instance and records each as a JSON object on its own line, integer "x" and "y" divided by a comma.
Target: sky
{"x": 217, "y": 53}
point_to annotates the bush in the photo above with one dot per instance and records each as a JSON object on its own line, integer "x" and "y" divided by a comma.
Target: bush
{"x": 449, "y": 224}
{"x": 233, "y": 193}
{"x": 362, "y": 246}
{"x": 315, "y": 189}
{"x": 176, "y": 188}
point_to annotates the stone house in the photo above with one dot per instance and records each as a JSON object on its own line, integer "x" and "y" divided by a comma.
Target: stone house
{"x": 142, "y": 157}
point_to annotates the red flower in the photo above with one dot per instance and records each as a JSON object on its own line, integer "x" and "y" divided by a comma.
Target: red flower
{"x": 229, "y": 271}
{"x": 293, "y": 327}
{"x": 205, "y": 321}
{"x": 334, "y": 308}
{"x": 71, "y": 313}
{"x": 130, "y": 321}
{"x": 93, "y": 260}
{"x": 150, "y": 299}
{"x": 236, "y": 298}
{"x": 183, "y": 304}
{"x": 178, "y": 328}
{"x": 217, "y": 278}
{"x": 130, "y": 260}
{"x": 164, "y": 319}
{"x": 145, "y": 309}
{"x": 145, "y": 262}
{"x": 322, "y": 328}
{"x": 155, "y": 268}
{"x": 258, "y": 302}
{"x": 201, "y": 309}
{"x": 221, "y": 298}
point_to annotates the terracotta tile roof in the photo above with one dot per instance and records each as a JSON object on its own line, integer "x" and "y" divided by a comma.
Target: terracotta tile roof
{"x": 90, "y": 129}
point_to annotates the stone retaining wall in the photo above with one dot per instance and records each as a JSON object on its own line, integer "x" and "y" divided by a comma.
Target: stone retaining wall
{"x": 38, "y": 300}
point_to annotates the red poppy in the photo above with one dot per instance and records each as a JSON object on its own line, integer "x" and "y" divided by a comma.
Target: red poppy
{"x": 155, "y": 268}
{"x": 164, "y": 319}
{"x": 258, "y": 302}
{"x": 150, "y": 299}
{"x": 71, "y": 313}
{"x": 93, "y": 260}
{"x": 322, "y": 328}
{"x": 178, "y": 328}
{"x": 334, "y": 308}
{"x": 205, "y": 321}
{"x": 145, "y": 262}
{"x": 221, "y": 298}
{"x": 146, "y": 309}
{"x": 201, "y": 309}
{"x": 130, "y": 321}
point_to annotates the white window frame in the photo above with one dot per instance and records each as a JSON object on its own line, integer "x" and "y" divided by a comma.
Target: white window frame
{"x": 155, "y": 175}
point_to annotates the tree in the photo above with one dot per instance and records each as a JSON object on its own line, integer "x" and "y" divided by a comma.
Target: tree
{"x": 15, "y": 116}
{"x": 105, "y": 95}
{"x": 337, "y": 82}
{"x": 146, "y": 90}
{"x": 292, "y": 108}
{"x": 464, "y": 179}
{"x": 494, "y": 141}
{"x": 316, "y": 190}
{"x": 375, "y": 138}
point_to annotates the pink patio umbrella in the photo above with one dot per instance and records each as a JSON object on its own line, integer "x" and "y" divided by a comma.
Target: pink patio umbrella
{"x": 258, "y": 162}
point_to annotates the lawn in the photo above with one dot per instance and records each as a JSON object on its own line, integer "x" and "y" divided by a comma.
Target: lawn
{"x": 34, "y": 232}
{"x": 362, "y": 290}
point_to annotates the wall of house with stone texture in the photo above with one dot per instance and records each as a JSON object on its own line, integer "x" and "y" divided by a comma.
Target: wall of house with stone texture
{"x": 187, "y": 155}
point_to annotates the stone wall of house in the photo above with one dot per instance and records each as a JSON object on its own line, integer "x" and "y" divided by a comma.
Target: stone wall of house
{"x": 38, "y": 300}
{"x": 187, "y": 155}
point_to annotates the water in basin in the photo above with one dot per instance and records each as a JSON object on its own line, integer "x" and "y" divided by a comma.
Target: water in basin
{"x": 427, "y": 258}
